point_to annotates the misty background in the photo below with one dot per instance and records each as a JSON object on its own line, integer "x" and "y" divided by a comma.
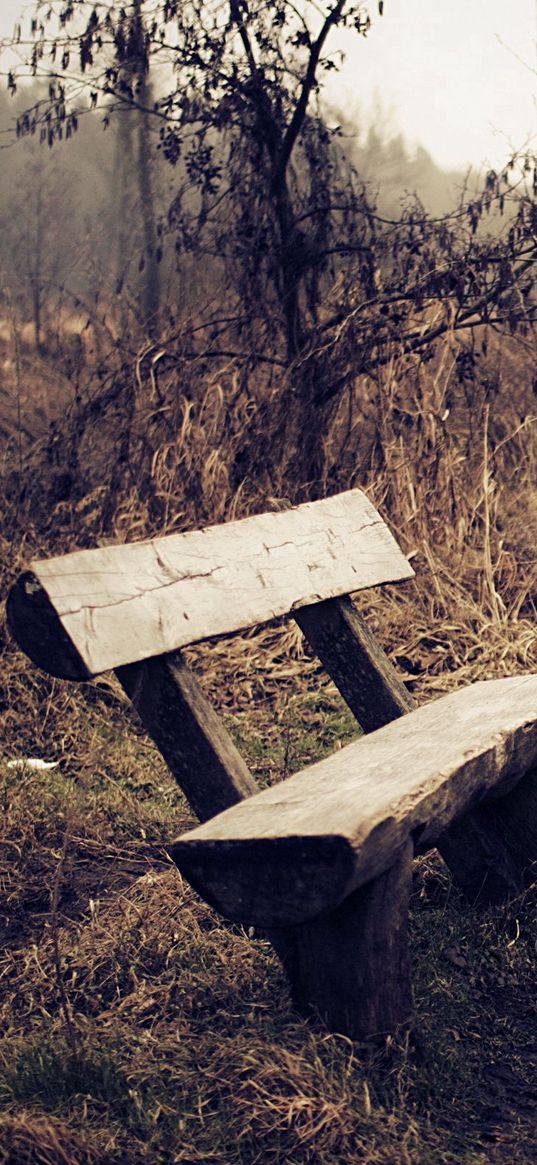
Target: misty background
{"x": 73, "y": 218}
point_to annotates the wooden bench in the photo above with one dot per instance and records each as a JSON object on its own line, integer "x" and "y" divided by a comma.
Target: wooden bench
{"x": 321, "y": 861}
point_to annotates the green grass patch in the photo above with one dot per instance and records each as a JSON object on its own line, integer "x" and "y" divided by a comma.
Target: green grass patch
{"x": 301, "y": 728}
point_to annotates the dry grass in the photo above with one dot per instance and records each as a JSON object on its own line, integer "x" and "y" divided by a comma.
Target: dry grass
{"x": 28, "y": 1139}
{"x": 136, "y": 1026}
{"x": 182, "y": 1046}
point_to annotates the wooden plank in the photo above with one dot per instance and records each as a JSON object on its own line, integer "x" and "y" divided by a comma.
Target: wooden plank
{"x": 473, "y": 847}
{"x": 355, "y": 661}
{"x": 352, "y": 967}
{"x": 119, "y": 604}
{"x": 298, "y": 849}
{"x": 187, "y": 731}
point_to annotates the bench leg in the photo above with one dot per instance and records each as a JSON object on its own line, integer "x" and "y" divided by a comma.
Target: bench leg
{"x": 352, "y": 967}
{"x": 514, "y": 817}
{"x": 475, "y": 850}
{"x": 492, "y": 851}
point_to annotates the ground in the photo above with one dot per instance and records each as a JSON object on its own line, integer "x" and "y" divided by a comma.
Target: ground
{"x": 139, "y": 1027}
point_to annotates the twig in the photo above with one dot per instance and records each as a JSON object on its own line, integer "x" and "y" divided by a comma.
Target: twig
{"x": 54, "y": 930}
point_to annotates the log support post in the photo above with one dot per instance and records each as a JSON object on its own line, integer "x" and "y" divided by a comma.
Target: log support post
{"x": 188, "y": 733}
{"x": 482, "y": 865}
{"x": 351, "y": 968}
{"x": 355, "y": 662}
{"x": 494, "y": 848}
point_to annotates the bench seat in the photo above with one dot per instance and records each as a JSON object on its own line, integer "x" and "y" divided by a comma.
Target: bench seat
{"x": 298, "y": 849}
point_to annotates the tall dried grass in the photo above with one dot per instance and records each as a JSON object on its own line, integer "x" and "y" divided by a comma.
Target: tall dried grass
{"x": 114, "y": 977}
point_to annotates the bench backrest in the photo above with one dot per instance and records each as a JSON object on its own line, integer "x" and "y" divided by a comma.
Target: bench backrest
{"x": 132, "y": 607}
{"x": 94, "y": 610}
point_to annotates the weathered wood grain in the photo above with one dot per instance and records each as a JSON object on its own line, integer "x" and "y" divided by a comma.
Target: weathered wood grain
{"x": 119, "y": 604}
{"x": 36, "y": 626}
{"x": 351, "y": 967}
{"x": 187, "y": 731}
{"x": 298, "y": 849}
{"x": 355, "y": 661}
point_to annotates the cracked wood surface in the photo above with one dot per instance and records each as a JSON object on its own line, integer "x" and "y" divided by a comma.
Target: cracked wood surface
{"x": 298, "y": 849}
{"x": 94, "y": 610}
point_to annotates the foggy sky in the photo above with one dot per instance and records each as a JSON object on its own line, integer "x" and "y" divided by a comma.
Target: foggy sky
{"x": 458, "y": 77}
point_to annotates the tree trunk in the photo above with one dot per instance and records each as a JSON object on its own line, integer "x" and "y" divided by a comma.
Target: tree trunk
{"x": 151, "y": 288}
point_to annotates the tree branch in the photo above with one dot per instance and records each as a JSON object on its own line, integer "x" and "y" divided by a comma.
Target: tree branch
{"x": 297, "y": 119}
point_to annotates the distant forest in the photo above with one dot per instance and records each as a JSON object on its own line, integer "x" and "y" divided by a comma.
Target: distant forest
{"x": 74, "y": 217}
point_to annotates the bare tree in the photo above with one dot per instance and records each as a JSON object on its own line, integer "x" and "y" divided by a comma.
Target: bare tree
{"x": 312, "y": 279}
